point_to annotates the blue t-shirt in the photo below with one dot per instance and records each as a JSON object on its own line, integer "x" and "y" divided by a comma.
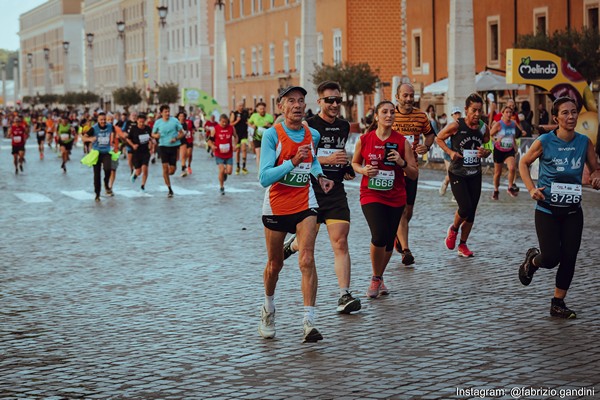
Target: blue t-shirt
{"x": 168, "y": 130}
{"x": 102, "y": 135}
{"x": 268, "y": 173}
{"x": 561, "y": 169}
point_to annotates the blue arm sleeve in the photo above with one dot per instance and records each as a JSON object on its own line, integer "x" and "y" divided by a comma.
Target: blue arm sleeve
{"x": 268, "y": 173}
{"x": 315, "y": 169}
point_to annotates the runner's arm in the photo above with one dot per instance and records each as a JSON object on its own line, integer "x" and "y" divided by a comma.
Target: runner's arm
{"x": 535, "y": 151}
{"x": 315, "y": 169}
{"x": 268, "y": 173}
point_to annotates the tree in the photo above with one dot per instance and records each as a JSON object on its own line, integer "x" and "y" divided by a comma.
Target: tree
{"x": 355, "y": 79}
{"x": 127, "y": 96}
{"x": 580, "y": 48}
{"x": 168, "y": 93}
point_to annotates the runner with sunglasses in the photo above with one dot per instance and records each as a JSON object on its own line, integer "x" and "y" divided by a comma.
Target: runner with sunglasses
{"x": 333, "y": 206}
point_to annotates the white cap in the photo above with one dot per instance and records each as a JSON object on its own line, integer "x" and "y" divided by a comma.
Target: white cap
{"x": 456, "y": 110}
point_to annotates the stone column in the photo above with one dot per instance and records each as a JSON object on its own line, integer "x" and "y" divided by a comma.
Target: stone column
{"x": 461, "y": 54}
{"x": 220, "y": 86}
{"x": 308, "y": 43}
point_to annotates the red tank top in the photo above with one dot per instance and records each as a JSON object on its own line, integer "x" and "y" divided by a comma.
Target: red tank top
{"x": 293, "y": 193}
{"x": 223, "y": 141}
{"x": 19, "y": 135}
{"x": 388, "y": 186}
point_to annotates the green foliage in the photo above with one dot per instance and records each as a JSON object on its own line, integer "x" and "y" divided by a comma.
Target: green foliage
{"x": 127, "y": 96}
{"x": 354, "y": 79}
{"x": 47, "y": 98}
{"x": 580, "y": 48}
{"x": 168, "y": 93}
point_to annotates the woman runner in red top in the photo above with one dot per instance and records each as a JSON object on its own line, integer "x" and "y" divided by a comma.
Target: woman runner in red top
{"x": 223, "y": 143}
{"x": 383, "y": 157}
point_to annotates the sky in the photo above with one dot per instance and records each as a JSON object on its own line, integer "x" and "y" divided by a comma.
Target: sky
{"x": 9, "y": 20}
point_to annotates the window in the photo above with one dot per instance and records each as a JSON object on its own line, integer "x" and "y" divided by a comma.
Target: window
{"x": 260, "y": 60}
{"x": 241, "y": 8}
{"x": 243, "y": 63}
{"x": 591, "y": 14}
{"x": 260, "y": 5}
{"x": 416, "y": 51}
{"x": 493, "y": 40}
{"x": 337, "y": 46}
{"x": 272, "y": 4}
{"x": 298, "y": 53}
{"x": 254, "y": 66}
{"x": 272, "y": 59}
{"x": 230, "y": 9}
{"x": 540, "y": 18}
{"x": 320, "y": 59}
{"x": 232, "y": 67}
{"x": 286, "y": 56}
{"x": 252, "y": 4}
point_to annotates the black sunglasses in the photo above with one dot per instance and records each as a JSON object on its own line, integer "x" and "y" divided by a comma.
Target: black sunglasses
{"x": 332, "y": 99}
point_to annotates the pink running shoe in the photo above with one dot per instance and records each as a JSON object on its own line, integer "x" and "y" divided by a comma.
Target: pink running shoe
{"x": 464, "y": 251}
{"x": 373, "y": 291}
{"x": 451, "y": 238}
{"x": 383, "y": 290}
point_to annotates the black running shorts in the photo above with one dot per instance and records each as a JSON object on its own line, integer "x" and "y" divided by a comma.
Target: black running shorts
{"x": 287, "y": 223}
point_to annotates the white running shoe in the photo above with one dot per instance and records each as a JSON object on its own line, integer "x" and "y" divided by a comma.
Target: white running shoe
{"x": 311, "y": 333}
{"x": 266, "y": 327}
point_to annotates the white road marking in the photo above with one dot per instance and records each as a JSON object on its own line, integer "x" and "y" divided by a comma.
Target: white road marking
{"x": 33, "y": 198}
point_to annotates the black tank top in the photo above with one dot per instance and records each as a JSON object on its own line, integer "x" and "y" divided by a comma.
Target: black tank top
{"x": 333, "y": 138}
{"x": 465, "y": 142}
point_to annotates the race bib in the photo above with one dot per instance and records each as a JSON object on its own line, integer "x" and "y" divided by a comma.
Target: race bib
{"x": 298, "y": 177}
{"x": 565, "y": 194}
{"x": 103, "y": 140}
{"x": 41, "y": 133}
{"x": 384, "y": 180}
{"x": 64, "y": 136}
{"x": 17, "y": 139}
{"x": 145, "y": 138}
{"x": 224, "y": 148}
{"x": 506, "y": 143}
{"x": 470, "y": 158}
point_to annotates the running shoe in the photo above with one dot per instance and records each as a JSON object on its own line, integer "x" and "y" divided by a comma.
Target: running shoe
{"x": 266, "y": 326}
{"x": 515, "y": 188}
{"x": 373, "y": 290}
{"x": 109, "y": 192}
{"x": 407, "y": 257}
{"x": 189, "y": 169}
{"x": 397, "y": 245}
{"x": 244, "y": 171}
{"x": 133, "y": 177}
{"x": 464, "y": 251}
{"x": 527, "y": 269}
{"x": 559, "y": 309}
{"x": 170, "y": 194}
{"x": 348, "y": 304}
{"x": 511, "y": 192}
{"x": 17, "y": 171}
{"x": 21, "y": 167}
{"x": 311, "y": 333}
{"x": 237, "y": 171}
{"x": 153, "y": 160}
{"x": 143, "y": 189}
{"x": 183, "y": 173}
{"x": 287, "y": 247}
{"x": 443, "y": 188}
{"x": 451, "y": 238}
{"x": 383, "y": 290}
{"x": 222, "y": 191}
{"x": 97, "y": 199}
{"x": 41, "y": 156}
{"x": 495, "y": 195}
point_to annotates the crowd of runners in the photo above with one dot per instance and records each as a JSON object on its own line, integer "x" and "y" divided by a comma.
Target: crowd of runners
{"x": 303, "y": 164}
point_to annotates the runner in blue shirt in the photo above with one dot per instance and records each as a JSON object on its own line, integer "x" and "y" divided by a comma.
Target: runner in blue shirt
{"x": 168, "y": 131}
{"x": 558, "y": 215}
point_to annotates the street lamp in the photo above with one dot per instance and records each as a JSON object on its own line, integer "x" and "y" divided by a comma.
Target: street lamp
{"x": 47, "y": 84}
{"x": 17, "y": 84}
{"x": 90, "y": 62}
{"x": 66, "y": 67}
{"x": 121, "y": 54}
{"x": 29, "y": 74}
{"x": 162, "y": 14}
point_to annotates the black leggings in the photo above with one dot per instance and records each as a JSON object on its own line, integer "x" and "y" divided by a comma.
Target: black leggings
{"x": 383, "y": 222}
{"x": 559, "y": 237}
{"x": 466, "y": 191}
{"x": 104, "y": 160}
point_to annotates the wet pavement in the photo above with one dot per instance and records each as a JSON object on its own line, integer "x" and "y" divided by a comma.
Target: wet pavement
{"x": 145, "y": 297}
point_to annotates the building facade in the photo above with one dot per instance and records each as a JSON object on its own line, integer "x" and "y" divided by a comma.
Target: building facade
{"x": 46, "y": 65}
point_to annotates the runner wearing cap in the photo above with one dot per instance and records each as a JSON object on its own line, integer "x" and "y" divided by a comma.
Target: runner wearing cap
{"x": 259, "y": 121}
{"x": 288, "y": 160}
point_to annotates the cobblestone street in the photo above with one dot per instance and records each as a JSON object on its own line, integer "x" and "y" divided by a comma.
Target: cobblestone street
{"x": 145, "y": 297}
